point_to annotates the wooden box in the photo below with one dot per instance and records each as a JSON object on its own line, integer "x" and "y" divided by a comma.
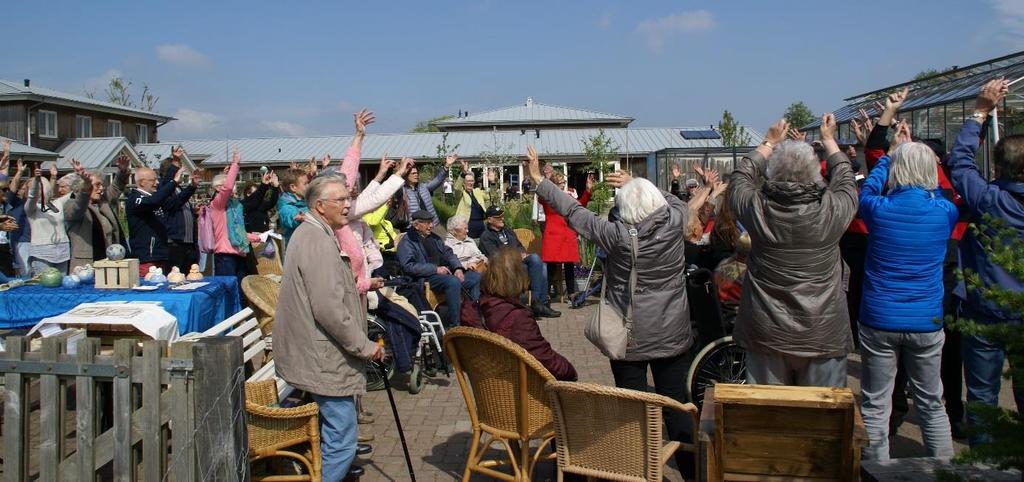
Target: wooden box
{"x": 761, "y": 432}
{"x": 121, "y": 274}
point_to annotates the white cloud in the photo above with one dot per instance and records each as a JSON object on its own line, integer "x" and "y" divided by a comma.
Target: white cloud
{"x": 1011, "y": 17}
{"x": 283, "y": 128}
{"x": 660, "y": 30}
{"x": 196, "y": 123}
{"x": 605, "y": 21}
{"x": 181, "y": 54}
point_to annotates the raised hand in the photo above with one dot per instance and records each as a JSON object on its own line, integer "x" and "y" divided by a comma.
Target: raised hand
{"x": 903, "y": 135}
{"x": 177, "y": 176}
{"x": 77, "y": 166}
{"x": 325, "y": 161}
{"x": 697, "y": 168}
{"x": 532, "y": 165}
{"x": 293, "y": 165}
{"x": 236, "y": 156}
{"x": 196, "y": 176}
{"x": 363, "y": 118}
{"x": 6, "y": 158}
{"x": 796, "y": 135}
{"x": 711, "y": 176}
{"x": 404, "y": 165}
{"x": 618, "y": 178}
{"x": 274, "y": 181}
{"x": 448, "y": 161}
{"x": 590, "y": 182}
{"x": 992, "y": 93}
{"x": 718, "y": 188}
{"x": 53, "y": 171}
{"x": 676, "y": 172}
{"x": 20, "y": 168}
{"x": 266, "y": 177}
{"x": 777, "y": 132}
{"x": 465, "y": 165}
{"x": 385, "y": 166}
{"x": 123, "y": 163}
{"x": 828, "y": 127}
{"x": 894, "y": 100}
{"x": 311, "y": 166}
{"x": 178, "y": 153}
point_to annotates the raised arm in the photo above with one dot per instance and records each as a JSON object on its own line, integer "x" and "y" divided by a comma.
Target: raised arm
{"x": 578, "y": 217}
{"x": 120, "y": 182}
{"x": 842, "y": 189}
{"x": 350, "y": 164}
{"x": 975, "y": 189}
{"x": 74, "y": 209}
{"x": 746, "y": 179}
{"x": 441, "y": 174}
{"x": 376, "y": 194}
{"x": 220, "y": 200}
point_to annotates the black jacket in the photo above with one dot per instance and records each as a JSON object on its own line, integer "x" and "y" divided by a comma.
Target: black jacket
{"x": 173, "y": 212}
{"x": 490, "y": 241}
{"x": 257, "y": 208}
{"x": 147, "y": 234}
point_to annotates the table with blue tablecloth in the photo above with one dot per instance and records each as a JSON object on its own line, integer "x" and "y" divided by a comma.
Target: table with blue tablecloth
{"x": 196, "y": 310}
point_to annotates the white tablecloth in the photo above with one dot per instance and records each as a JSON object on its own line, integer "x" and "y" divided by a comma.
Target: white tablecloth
{"x": 147, "y": 317}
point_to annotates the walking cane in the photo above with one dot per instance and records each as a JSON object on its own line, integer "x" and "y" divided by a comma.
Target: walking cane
{"x": 394, "y": 411}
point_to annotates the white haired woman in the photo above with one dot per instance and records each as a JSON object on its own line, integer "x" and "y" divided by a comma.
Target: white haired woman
{"x": 661, "y": 337}
{"x": 231, "y": 240}
{"x": 49, "y": 246}
{"x": 91, "y": 223}
{"x": 909, "y": 223}
{"x": 792, "y": 318}
{"x": 464, "y": 247}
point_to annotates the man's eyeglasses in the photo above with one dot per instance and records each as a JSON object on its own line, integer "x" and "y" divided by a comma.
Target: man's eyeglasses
{"x": 342, "y": 200}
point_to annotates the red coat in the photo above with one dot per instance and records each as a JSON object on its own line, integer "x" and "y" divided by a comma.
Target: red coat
{"x": 559, "y": 243}
{"x": 514, "y": 321}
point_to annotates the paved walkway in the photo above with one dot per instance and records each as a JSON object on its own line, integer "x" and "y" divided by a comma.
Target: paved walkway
{"x": 437, "y": 426}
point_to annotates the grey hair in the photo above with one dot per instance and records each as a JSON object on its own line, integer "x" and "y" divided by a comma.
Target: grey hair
{"x": 638, "y": 199}
{"x": 317, "y": 188}
{"x": 456, "y": 221}
{"x": 71, "y": 181}
{"x": 219, "y": 179}
{"x": 913, "y": 164}
{"x": 794, "y": 161}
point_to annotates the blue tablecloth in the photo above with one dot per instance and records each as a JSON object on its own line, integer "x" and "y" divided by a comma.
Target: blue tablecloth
{"x": 196, "y": 310}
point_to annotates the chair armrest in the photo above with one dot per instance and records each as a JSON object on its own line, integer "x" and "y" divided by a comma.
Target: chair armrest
{"x": 302, "y": 411}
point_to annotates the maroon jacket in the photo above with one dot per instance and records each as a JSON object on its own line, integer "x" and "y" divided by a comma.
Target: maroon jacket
{"x": 514, "y": 321}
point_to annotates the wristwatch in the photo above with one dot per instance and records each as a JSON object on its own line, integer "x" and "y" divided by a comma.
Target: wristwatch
{"x": 979, "y": 116}
{"x": 767, "y": 144}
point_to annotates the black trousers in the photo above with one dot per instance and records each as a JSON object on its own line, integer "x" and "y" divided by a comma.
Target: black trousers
{"x": 183, "y": 255}
{"x": 670, "y": 381}
{"x": 854, "y": 248}
{"x": 568, "y": 273}
{"x": 6, "y": 260}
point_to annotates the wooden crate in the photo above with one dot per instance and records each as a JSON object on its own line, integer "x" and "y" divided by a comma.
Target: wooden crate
{"x": 120, "y": 274}
{"x": 761, "y": 432}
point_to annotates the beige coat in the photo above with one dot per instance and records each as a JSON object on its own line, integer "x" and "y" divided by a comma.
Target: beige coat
{"x": 320, "y": 340}
{"x": 79, "y": 216}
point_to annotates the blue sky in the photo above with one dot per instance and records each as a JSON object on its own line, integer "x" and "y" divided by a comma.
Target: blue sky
{"x": 257, "y": 68}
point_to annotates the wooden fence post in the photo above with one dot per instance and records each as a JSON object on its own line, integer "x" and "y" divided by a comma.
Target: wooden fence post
{"x": 86, "y": 411}
{"x": 183, "y": 459}
{"x": 124, "y": 351}
{"x": 222, "y": 440}
{"x": 15, "y": 415}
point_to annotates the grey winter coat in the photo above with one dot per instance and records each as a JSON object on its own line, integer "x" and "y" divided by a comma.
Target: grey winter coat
{"x": 320, "y": 342}
{"x": 661, "y": 312}
{"x": 794, "y": 299}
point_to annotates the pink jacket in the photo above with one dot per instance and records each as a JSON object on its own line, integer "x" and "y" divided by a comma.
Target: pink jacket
{"x": 370, "y": 199}
{"x": 218, "y": 210}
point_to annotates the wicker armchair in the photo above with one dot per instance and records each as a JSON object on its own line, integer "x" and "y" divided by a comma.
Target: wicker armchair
{"x": 503, "y": 386}
{"x": 272, "y": 429}
{"x": 272, "y": 265}
{"x": 529, "y": 240}
{"x": 613, "y": 433}
{"x": 262, "y": 294}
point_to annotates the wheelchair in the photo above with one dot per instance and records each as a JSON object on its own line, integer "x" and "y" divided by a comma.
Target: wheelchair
{"x": 719, "y": 359}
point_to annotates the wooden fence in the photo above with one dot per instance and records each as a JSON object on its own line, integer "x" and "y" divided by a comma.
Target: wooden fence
{"x": 146, "y": 411}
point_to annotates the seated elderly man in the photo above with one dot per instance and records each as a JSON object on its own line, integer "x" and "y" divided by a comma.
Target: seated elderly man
{"x": 423, "y": 255}
{"x": 497, "y": 236}
{"x": 463, "y": 247}
{"x": 792, "y": 318}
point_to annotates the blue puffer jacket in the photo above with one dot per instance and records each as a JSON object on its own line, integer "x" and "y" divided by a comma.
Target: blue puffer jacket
{"x": 1002, "y": 199}
{"x": 908, "y": 232}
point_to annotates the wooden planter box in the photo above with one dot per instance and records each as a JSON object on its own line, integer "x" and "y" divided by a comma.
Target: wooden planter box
{"x": 761, "y": 432}
{"x": 121, "y": 274}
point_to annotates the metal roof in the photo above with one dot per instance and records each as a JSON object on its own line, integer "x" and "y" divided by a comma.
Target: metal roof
{"x": 152, "y": 154}
{"x": 470, "y": 144}
{"x": 954, "y": 86}
{"x": 16, "y": 91}
{"x": 18, "y": 150}
{"x": 95, "y": 152}
{"x": 532, "y": 112}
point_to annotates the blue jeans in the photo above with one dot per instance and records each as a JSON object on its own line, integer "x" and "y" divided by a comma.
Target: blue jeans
{"x": 538, "y": 278}
{"x": 451, "y": 288}
{"x": 229, "y": 265}
{"x": 339, "y": 431}
{"x": 921, "y": 357}
{"x": 983, "y": 371}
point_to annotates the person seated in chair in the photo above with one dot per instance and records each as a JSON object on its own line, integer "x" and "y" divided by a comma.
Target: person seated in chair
{"x": 497, "y": 236}
{"x": 424, "y": 256}
{"x": 500, "y": 311}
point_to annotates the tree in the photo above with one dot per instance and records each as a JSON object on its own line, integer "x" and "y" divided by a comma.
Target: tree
{"x": 733, "y": 134}
{"x": 1006, "y": 427}
{"x": 601, "y": 151}
{"x": 925, "y": 74}
{"x": 119, "y": 92}
{"x": 798, "y": 115}
{"x": 428, "y": 125}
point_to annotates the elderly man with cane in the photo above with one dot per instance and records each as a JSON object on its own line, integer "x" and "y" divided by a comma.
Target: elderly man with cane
{"x": 320, "y": 342}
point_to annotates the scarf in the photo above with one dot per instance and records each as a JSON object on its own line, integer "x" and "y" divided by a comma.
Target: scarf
{"x": 236, "y": 226}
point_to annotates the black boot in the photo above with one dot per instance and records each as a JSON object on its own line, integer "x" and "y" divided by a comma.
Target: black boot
{"x": 364, "y": 449}
{"x": 355, "y": 472}
{"x": 541, "y": 310}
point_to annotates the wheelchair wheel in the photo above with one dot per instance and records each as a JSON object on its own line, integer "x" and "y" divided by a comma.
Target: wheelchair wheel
{"x": 416, "y": 379}
{"x": 721, "y": 361}
{"x": 375, "y": 372}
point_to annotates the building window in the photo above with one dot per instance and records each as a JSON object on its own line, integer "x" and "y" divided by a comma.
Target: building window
{"x": 83, "y": 126}
{"x": 142, "y": 134}
{"x": 113, "y": 128}
{"x": 47, "y": 123}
